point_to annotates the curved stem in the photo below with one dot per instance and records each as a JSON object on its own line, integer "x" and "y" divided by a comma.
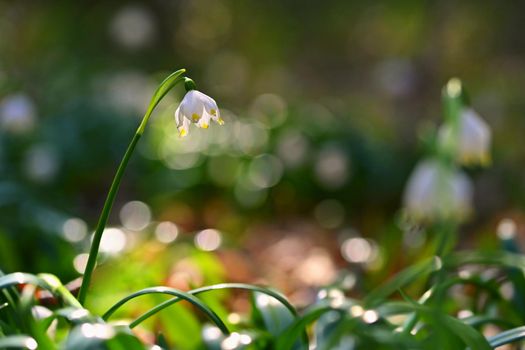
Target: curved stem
{"x": 102, "y": 221}
{"x": 180, "y": 295}
{"x": 281, "y": 298}
{"x": 161, "y": 91}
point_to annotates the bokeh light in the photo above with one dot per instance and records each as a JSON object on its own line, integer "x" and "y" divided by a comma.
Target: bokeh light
{"x": 293, "y": 148}
{"x": 235, "y": 340}
{"x": 80, "y": 262}
{"x": 17, "y": 113}
{"x": 135, "y": 215}
{"x": 332, "y": 167}
{"x": 208, "y": 240}
{"x": 358, "y": 250}
{"x": 265, "y": 171}
{"x": 41, "y": 163}
{"x": 113, "y": 241}
{"x": 269, "y": 109}
{"x": 133, "y": 27}
{"x": 507, "y": 229}
{"x": 74, "y": 229}
{"x": 166, "y": 232}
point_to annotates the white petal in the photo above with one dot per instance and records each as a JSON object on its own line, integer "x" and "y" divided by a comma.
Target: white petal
{"x": 212, "y": 109}
{"x": 193, "y": 105}
{"x": 178, "y": 117}
{"x": 184, "y": 128}
{"x": 437, "y": 192}
{"x": 475, "y": 137}
{"x": 204, "y": 122}
{"x": 419, "y": 193}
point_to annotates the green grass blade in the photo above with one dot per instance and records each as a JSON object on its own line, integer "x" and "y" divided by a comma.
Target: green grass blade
{"x": 400, "y": 280}
{"x": 507, "y": 337}
{"x": 468, "y": 335}
{"x": 18, "y": 341}
{"x": 281, "y": 298}
{"x": 60, "y": 290}
{"x": 174, "y": 292}
{"x": 501, "y": 258}
{"x": 16, "y": 278}
{"x": 286, "y": 340}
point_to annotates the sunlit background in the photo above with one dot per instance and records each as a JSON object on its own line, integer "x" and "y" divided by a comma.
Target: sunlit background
{"x": 325, "y": 104}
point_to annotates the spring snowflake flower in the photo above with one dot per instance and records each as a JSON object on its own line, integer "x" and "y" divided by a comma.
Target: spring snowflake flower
{"x": 474, "y": 137}
{"x": 198, "y": 108}
{"x": 437, "y": 192}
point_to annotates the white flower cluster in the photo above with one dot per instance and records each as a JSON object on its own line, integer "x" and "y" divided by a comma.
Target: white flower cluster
{"x": 438, "y": 191}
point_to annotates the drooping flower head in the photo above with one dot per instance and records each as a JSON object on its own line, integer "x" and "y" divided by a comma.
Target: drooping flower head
{"x": 436, "y": 191}
{"x": 473, "y": 139}
{"x": 198, "y": 108}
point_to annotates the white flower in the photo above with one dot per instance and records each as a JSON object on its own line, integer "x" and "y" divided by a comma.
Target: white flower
{"x": 198, "y": 108}
{"x": 474, "y": 136}
{"x": 437, "y": 192}
{"x": 17, "y": 113}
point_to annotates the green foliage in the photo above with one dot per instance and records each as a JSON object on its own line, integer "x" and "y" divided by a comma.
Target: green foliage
{"x": 414, "y": 309}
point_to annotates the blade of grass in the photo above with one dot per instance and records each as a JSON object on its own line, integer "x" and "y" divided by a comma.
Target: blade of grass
{"x": 60, "y": 290}
{"x": 174, "y": 292}
{"x": 17, "y": 278}
{"x": 197, "y": 291}
{"x": 18, "y": 341}
{"x": 507, "y": 337}
{"x": 293, "y": 332}
{"x": 400, "y": 280}
{"x": 506, "y": 259}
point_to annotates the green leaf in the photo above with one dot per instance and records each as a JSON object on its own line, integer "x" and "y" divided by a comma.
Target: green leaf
{"x": 275, "y": 315}
{"x": 60, "y": 290}
{"x": 75, "y": 315}
{"x": 500, "y": 258}
{"x": 17, "y": 278}
{"x": 507, "y": 337}
{"x": 18, "y": 341}
{"x": 400, "y": 280}
{"x": 298, "y": 327}
{"x": 441, "y": 321}
{"x": 91, "y": 336}
{"x": 182, "y": 327}
{"x": 205, "y": 289}
{"x": 212, "y": 337}
{"x": 174, "y": 292}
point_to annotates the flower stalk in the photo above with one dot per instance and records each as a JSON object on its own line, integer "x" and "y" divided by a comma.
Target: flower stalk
{"x": 161, "y": 91}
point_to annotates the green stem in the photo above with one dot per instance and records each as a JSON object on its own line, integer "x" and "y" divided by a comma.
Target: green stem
{"x": 444, "y": 244}
{"x": 102, "y": 221}
{"x": 161, "y": 91}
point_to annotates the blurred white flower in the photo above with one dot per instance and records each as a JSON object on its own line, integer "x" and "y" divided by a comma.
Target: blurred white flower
{"x": 436, "y": 192}
{"x": 198, "y": 108}
{"x": 17, "y": 113}
{"x": 474, "y": 136}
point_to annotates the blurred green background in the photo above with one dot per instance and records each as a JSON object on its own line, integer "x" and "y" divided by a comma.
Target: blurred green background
{"x": 324, "y": 105}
